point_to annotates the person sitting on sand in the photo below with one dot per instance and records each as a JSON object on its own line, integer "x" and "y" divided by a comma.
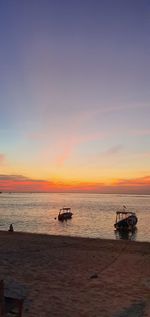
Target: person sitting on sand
{"x": 11, "y": 229}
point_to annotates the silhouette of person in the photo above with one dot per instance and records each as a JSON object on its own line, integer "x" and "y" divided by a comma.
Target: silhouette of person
{"x": 11, "y": 229}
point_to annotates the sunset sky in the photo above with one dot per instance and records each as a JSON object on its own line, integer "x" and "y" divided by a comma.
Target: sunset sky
{"x": 75, "y": 95}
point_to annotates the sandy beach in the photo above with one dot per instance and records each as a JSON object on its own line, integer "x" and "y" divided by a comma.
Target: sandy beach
{"x": 72, "y": 277}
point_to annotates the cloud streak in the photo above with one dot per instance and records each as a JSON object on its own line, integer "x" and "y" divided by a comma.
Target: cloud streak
{"x": 2, "y": 158}
{"x": 72, "y": 142}
{"x": 113, "y": 150}
{"x": 141, "y": 132}
{"x": 20, "y": 183}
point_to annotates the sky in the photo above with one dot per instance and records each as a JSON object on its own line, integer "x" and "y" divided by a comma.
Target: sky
{"x": 75, "y": 96}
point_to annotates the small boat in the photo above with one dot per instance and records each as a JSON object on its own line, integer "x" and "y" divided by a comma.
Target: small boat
{"x": 65, "y": 213}
{"x": 125, "y": 220}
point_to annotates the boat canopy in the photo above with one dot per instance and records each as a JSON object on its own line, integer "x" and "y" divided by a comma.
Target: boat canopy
{"x": 125, "y": 212}
{"x": 65, "y": 209}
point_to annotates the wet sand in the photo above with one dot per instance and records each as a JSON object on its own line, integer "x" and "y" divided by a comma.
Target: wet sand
{"x": 73, "y": 277}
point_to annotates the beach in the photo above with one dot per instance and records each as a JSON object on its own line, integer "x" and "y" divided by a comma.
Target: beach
{"x": 72, "y": 277}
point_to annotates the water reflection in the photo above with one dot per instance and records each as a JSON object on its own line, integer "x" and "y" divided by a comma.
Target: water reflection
{"x": 126, "y": 235}
{"x": 93, "y": 214}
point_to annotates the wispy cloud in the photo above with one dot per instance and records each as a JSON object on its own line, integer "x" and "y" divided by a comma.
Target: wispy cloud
{"x": 84, "y": 118}
{"x": 146, "y": 154}
{"x": 67, "y": 147}
{"x": 134, "y": 182}
{"x": 17, "y": 178}
{"x": 110, "y": 154}
{"x": 2, "y": 159}
{"x": 140, "y": 132}
{"x": 113, "y": 150}
{"x": 22, "y": 183}
{"x": 36, "y": 136}
{"x": 102, "y": 109}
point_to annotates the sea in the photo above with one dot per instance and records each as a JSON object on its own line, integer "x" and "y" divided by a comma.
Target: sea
{"x": 93, "y": 214}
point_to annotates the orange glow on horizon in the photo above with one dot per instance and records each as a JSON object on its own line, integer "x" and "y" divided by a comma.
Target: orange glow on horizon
{"x": 24, "y": 184}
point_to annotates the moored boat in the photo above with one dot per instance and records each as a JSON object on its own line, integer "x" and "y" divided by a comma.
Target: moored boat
{"x": 65, "y": 213}
{"x": 125, "y": 220}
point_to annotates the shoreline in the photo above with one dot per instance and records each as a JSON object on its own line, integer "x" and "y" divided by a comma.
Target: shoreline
{"x": 25, "y": 233}
{"x": 74, "y": 276}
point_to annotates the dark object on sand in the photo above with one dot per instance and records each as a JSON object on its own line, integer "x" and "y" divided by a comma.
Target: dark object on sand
{"x": 125, "y": 220}
{"x": 94, "y": 275}
{"x": 11, "y": 229}
{"x": 65, "y": 214}
{"x": 2, "y": 300}
{"x": 13, "y": 306}
{"x": 9, "y": 306}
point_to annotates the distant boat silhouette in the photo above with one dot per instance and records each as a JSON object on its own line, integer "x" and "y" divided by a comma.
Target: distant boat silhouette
{"x": 65, "y": 214}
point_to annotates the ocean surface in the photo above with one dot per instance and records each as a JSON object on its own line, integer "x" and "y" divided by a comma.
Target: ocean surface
{"x": 93, "y": 214}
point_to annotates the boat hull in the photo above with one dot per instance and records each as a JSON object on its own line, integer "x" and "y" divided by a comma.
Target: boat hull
{"x": 126, "y": 224}
{"x": 65, "y": 216}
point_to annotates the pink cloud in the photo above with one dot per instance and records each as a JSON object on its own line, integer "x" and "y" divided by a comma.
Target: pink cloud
{"x": 69, "y": 146}
{"x": 82, "y": 118}
{"x": 146, "y": 154}
{"x": 2, "y": 158}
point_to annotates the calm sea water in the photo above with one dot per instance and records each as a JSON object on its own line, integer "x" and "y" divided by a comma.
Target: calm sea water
{"x": 94, "y": 214}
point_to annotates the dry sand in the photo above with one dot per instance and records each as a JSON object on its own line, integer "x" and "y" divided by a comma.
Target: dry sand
{"x": 73, "y": 277}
